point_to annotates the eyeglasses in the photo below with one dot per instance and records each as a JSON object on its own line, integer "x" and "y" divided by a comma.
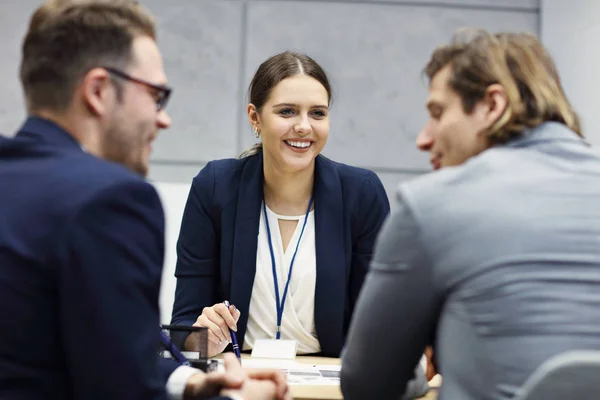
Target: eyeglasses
{"x": 161, "y": 92}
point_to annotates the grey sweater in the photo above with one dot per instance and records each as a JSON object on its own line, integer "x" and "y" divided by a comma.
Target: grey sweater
{"x": 495, "y": 263}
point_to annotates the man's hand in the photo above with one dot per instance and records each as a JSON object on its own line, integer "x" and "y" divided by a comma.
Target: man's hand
{"x": 259, "y": 384}
{"x": 277, "y": 377}
{"x": 431, "y": 370}
{"x": 251, "y": 385}
{"x": 203, "y": 385}
{"x": 255, "y": 390}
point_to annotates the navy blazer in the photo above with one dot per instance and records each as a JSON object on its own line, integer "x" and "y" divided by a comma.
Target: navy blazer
{"x": 81, "y": 254}
{"x": 216, "y": 250}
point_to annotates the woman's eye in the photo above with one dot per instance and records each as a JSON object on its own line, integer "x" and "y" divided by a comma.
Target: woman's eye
{"x": 286, "y": 111}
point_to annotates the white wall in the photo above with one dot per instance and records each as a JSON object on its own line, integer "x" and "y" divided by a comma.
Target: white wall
{"x": 571, "y": 32}
{"x": 173, "y": 197}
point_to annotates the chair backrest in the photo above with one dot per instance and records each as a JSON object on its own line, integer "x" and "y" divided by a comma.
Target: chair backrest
{"x": 570, "y": 375}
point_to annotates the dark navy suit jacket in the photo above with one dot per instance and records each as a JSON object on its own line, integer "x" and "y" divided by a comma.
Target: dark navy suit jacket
{"x": 81, "y": 254}
{"x": 219, "y": 235}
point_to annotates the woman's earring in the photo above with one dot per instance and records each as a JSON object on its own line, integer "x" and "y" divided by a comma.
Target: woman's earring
{"x": 256, "y": 132}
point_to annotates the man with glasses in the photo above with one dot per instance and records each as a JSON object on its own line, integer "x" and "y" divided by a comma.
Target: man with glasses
{"x": 81, "y": 231}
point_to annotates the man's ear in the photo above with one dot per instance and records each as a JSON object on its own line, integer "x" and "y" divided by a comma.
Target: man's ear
{"x": 97, "y": 91}
{"x": 495, "y": 102}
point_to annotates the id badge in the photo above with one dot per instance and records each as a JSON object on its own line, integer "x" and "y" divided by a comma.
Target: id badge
{"x": 274, "y": 348}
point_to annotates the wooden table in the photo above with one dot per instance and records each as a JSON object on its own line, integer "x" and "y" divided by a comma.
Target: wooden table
{"x": 304, "y": 392}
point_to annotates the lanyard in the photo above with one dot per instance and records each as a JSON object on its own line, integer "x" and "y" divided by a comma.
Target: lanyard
{"x": 281, "y": 304}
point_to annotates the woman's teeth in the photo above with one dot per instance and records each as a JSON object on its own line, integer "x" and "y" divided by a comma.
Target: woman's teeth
{"x": 300, "y": 145}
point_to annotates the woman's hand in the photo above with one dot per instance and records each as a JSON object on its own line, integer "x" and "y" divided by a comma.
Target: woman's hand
{"x": 218, "y": 319}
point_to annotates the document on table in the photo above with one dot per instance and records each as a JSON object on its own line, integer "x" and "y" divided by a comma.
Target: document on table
{"x": 314, "y": 375}
{"x": 297, "y": 373}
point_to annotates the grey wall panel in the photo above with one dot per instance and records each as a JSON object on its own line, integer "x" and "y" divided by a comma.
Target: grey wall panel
{"x": 571, "y": 30}
{"x": 373, "y": 50}
{"x": 13, "y": 26}
{"x": 200, "y": 43}
{"x": 374, "y": 55}
{"x": 173, "y": 172}
{"x": 391, "y": 180}
{"x": 531, "y": 5}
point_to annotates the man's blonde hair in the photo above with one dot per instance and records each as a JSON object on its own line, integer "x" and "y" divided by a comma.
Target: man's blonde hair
{"x": 519, "y": 63}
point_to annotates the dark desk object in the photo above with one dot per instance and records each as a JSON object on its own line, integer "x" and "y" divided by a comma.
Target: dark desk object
{"x": 196, "y": 345}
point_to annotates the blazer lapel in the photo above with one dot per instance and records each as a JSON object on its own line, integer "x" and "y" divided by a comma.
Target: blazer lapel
{"x": 330, "y": 290}
{"x": 245, "y": 239}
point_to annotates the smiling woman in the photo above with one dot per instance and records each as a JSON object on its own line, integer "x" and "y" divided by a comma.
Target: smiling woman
{"x": 283, "y": 233}
{"x": 294, "y": 124}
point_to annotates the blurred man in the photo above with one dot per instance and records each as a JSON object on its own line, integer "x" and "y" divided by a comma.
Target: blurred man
{"x": 81, "y": 231}
{"x": 494, "y": 259}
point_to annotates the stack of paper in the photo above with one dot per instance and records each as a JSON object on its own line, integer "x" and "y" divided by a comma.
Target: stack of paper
{"x": 297, "y": 373}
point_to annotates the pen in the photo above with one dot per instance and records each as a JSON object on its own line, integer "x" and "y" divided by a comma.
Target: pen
{"x": 166, "y": 341}
{"x": 236, "y": 347}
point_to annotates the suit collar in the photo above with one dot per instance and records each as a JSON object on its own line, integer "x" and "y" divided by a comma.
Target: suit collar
{"x": 47, "y": 131}
{"x": 547, "y": 132}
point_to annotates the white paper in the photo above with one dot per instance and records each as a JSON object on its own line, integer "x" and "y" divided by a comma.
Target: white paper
{"x": 271, "y": 348}
{"x": 296, "y": 373}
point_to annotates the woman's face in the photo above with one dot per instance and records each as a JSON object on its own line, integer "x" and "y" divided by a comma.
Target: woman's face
{"x": 294, "y": 122}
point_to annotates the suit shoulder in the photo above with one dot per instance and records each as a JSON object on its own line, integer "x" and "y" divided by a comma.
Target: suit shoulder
{"x": 99, "y": 173}
{"x": 361, "y": 188}
{"x": 473, "y": 179}
{"x": 84, "y": 177}
{"x": 64, "y": 184}
{"x": 350, "y": 175}
{"x": 219, "y": 180}
{"x": 219, "y": 170}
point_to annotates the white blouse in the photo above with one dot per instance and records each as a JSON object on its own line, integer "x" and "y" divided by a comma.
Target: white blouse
{"x": 298, "y": 321}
